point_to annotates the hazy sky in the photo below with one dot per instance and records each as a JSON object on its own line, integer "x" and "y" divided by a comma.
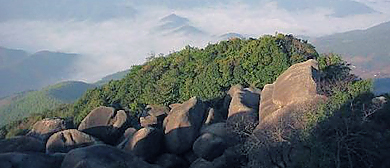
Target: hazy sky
{"x": 113, "y": 35}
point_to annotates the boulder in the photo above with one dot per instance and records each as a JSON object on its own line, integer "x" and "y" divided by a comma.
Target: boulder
{"x": 218, "y": 129}
{"x": 127, "y": 136}
{"x": 21, "y": 144}
{"x": 105, "y": 124}
{"x": 145, "y": 143}
{"x": 243, "y": 100}
{"x": 242, "y": 116}
{"x": 45, "y": 128}
{"x": 66, "y": 140}
{"x": 182, "y": 125}
{"x": 292, "y": 90}
{"x": 29, "y": 160}
{"x": 209, "y": 146}
{"x": 168, "y": 160}
{"x": 213, "y": 116}
{"x": 154, "y": 116}
{"x": 103, "y": 156}
{"x": 201, "y": 163}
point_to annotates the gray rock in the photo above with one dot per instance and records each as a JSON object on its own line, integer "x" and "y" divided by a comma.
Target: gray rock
{"x": 218, "y": 129}
{"x": 182, "y": 125}
{"x": 29, "y": 160}
{"x": 66, "y": 140}
{"x": 168, "y": 160}
{"x": 145, "y": 143}
{"x": 105, "y": 124}
{"x": 201, "y": 163}
{"x": 45, "y": 128}
{"x": 243, "y": 100}
{"x": 21, "y": 144}
{"x": 103, "y": 156}
{"x": 209, "y": 146}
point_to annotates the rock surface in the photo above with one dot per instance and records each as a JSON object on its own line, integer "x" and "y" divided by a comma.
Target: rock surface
{"x": 154, "y": 116}
{"x": 45, "y": 128}
{"x": 182, "y": 125}
{"x": 29, "y": 160}
{"x": 145, "y": 143}
{"x": 167, "y": 160}
{"x": 293, "y": 88}
{"x": 102, "y": 156}
{"x": 21, "y": 144}
{"x": 105, "y": 124}
{"x": 209, "y": 146}
{"x": 67, "y": 140}
{"x": 243, "y": 100}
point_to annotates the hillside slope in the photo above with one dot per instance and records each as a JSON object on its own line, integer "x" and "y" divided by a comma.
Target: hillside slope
{"x": 366, "y": 49}
{"x": 30, "y": 72}
{"x": 23, "y": 104}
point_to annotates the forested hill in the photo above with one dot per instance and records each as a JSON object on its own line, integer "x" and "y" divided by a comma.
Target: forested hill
{"x": 207, "y": 73}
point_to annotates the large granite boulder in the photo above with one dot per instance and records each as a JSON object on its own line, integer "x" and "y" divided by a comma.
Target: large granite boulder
{"x": 182, "y": 125}
{"x": 243, "y": 108}
{"x": 145, "y": 143}
{"x": 105, "y": 124}
{"x": 22, "y": 144}
{"x": 283, "y": 107}
{"x": 209, "y": 146}
{"x": 45, "y": 128}
{"x": 293, "y": 89}
{"x": 154, "y": 116}
{"x": 66, "y": 140}
{"x": 103, "y": 156}
{"x": 29, "y": 160}
{"x": 127, "y": 136}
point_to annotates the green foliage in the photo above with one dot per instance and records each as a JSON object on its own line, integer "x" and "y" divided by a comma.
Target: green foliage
{"x": 49, "y": 98}
{"x": 207, "y": 73}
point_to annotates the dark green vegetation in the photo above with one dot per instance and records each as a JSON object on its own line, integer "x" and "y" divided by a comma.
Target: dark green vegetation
{"x": 20, "y": 71}
{"x": 23, "y": 104}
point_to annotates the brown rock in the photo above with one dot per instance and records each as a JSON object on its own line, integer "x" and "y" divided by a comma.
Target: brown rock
{"x": 45, "y": 128}
{"x": 67, "y": 140}
{"x": 105, "y": 123}
{"x": 182, "y": 125}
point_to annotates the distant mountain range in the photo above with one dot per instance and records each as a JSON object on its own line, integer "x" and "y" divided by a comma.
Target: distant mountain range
{"x": 367, "y": 50}
{"x": 20, "y": 71}
{"x": 177, "y": 25}
{"x": 20, "y": 105}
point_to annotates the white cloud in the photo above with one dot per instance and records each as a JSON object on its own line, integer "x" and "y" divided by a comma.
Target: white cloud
{"x": 116, "y": 44}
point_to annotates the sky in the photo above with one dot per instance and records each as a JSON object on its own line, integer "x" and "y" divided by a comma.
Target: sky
{"x": 114, "y": 35}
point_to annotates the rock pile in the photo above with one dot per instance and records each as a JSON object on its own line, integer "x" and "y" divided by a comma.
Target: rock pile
{"x": 190, "y": 134}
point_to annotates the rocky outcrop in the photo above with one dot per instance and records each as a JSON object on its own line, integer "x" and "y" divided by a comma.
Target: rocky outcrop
{"x": 21, "y": 144}
{"x": 145, "y": 143}
{"x": 105, "y": 124}
{"x": 67, "y": 140}
{"x": 209, "y": 146}
{"x": 293, "y": 89}
{"x": 182, "y": 125}
{"x": 29, "y": 160}
{"x": 45, "y": 128}
{"x": 102, "y": 156}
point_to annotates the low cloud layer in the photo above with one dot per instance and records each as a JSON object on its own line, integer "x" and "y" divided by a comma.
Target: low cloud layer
{"x": 115, "y": 44}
